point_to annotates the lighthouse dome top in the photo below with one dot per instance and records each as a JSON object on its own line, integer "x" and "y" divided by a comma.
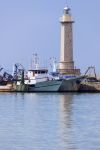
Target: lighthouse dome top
{"x": 66, "y": 17}
{"x": 66, "y": 10}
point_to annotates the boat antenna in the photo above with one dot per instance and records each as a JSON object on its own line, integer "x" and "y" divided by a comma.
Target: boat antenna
{"x": 35, "y": 60}
{"x": 53, "y": 64}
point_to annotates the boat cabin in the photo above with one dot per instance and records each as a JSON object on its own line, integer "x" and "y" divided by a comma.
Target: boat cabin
{"x": 35, "y": 72}
{"x": 36, "y": 75}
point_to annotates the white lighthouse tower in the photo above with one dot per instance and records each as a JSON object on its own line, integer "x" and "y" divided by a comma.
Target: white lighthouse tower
{"x": 66, "y": 65}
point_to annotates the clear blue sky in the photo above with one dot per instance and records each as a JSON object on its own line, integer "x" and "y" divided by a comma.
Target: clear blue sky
{"x": 28, "y": 26}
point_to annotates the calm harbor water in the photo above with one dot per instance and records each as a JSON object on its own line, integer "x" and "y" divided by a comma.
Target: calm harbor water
{"x": 49, "y": 121}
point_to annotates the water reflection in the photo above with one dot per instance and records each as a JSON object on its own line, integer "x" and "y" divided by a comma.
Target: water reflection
{"x": 66, "y": 132}
{"x": 49, "y": 121}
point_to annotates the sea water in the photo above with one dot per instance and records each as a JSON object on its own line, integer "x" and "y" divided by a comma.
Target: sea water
{"x": 49, "y": 121}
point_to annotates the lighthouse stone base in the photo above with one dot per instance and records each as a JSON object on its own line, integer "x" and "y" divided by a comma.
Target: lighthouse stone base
{"x": 67, "y": 68}
{"x": 69, "y": 71}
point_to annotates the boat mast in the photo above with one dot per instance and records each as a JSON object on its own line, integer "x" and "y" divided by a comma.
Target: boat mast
{"x": 35, "y": 61}
{"x": 53, "y": 64}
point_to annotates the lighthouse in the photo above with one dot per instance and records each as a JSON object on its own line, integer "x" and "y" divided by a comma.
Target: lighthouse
{"x": 66, "y": 65}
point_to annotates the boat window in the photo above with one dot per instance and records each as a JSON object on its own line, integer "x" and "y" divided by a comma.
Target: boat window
{"x": 40, "y": 71}
{"x": 36, "y": 71}
{"x": 44, "y": 71}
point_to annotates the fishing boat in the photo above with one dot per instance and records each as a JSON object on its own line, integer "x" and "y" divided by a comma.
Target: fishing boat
{"x": 38, "y": 80}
